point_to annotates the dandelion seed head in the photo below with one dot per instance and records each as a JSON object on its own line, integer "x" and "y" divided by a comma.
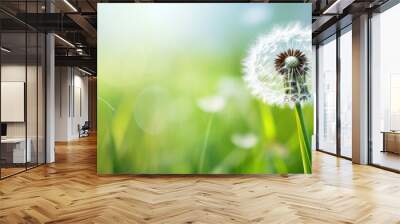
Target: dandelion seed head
{"x": 276, "y": 69}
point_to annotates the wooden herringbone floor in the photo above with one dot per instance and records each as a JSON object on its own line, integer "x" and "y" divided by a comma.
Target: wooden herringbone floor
{"x": 69, "y": 191}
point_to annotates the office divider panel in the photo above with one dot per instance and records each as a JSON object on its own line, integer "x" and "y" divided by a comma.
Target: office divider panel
{"x": 204, "y": 88}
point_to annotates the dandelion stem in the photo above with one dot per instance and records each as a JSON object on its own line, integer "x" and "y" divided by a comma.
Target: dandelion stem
{"x": 204, "y": 149}
{"x": 305, "y": 146}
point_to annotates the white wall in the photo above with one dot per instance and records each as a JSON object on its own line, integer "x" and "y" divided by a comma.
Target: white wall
{"x": 12, "y": 73}
{"x": 79, "y": 110}
{"x": 34, "y": 126}
{"x": 71, "y": 94}
{"x": 62, "y": 82}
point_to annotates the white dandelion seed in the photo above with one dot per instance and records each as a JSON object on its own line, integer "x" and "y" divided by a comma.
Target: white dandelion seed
{"x": 211, "y": 104}
{"x": 245, "y": 141}
{"x": 277, "y": 67}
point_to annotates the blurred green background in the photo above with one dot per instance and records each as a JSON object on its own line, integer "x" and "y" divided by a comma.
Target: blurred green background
{"x": 171, "y": 98}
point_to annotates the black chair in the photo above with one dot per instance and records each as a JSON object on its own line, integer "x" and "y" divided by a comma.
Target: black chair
{"x": 84, "y": 130}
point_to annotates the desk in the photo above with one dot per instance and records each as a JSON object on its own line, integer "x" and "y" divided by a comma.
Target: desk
{"x": 391, "y": 141}
{"x": 16, "y": 147}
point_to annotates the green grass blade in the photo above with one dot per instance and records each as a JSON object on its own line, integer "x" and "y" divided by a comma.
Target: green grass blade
{"x": 204, "y": 149}
{"x": 305, "y": 146}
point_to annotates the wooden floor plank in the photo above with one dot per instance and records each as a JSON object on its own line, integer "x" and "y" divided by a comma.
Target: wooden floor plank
{"x": 70, "y": 191}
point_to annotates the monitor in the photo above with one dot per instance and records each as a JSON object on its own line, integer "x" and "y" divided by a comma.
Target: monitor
{"x": 3, "y": 129}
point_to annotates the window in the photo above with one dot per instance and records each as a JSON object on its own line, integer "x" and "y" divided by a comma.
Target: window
{"x": 327, "y": 96}
{"x": 346, "y": 93}
{"x": 385, "y": 89}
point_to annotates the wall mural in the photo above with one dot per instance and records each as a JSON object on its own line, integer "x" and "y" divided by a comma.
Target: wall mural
{"x": 204, "y": 88}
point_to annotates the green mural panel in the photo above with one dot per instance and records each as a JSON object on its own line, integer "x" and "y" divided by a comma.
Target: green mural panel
{"x": 204, "y": 88}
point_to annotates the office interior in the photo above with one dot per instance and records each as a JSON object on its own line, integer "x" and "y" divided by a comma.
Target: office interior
{"x": 22, "y": 98}
{"x": 48, "y": 128}
{"x": 335, "y": 74}
{"x": 48, "y": 79}
{"x": 44, "y": 95}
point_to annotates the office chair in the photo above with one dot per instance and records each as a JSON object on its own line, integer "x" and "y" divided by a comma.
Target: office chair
{"x": 84, "y": 130}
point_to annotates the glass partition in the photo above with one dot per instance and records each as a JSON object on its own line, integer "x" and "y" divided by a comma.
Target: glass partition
{"x": 14, "y": 155}
{"x": 23, "y": 91}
